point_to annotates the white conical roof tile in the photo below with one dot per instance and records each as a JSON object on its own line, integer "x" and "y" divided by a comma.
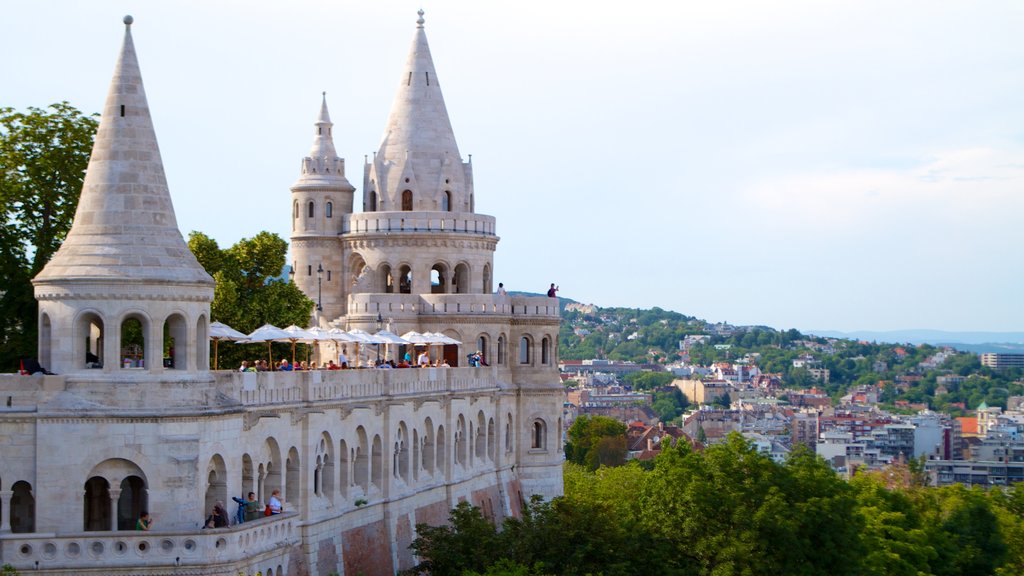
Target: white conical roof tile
{"x": 124, "y": 227}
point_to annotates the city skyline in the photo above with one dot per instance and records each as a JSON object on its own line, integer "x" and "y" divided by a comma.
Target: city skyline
{"x": 849, "y": 166}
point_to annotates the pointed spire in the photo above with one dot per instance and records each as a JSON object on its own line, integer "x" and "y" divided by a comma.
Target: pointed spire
{"x": 125, "y": 226}
{"x": 418, "y": 122}
{"x": 419, "y": 135}
{"x": 323, "y": 140}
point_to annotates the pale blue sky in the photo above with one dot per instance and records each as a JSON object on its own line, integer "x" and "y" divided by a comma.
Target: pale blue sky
{"x": 845, "y": 165}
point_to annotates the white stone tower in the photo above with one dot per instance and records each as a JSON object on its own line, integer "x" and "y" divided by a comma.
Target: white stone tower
{"x": 320, "y": 200}
{"x": 124, "y": 259}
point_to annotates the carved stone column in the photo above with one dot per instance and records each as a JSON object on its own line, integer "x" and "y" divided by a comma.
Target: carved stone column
{"x": 5, "y": 510}
{"x": 115, "y": 495}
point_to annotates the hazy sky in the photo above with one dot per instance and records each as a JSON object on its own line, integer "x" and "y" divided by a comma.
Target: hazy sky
{"x": 844, "y": 164}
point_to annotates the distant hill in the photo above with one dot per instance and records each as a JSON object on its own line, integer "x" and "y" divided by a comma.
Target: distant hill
{"x": 977, "y": 342}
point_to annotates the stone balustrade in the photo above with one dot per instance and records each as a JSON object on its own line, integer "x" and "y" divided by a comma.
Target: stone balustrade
{"x": 397, "y": 305}
{"x": 277, "y": 388}
{"x": 237, "y": 543}
{"x": 268, "y": 388}
{"x": 413, "y": 222}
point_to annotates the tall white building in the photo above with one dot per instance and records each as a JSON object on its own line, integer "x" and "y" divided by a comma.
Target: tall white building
{"x": 359, "y": 456}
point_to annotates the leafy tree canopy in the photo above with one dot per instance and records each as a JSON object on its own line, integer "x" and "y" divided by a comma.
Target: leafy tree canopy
{"x": 43, "y": 156}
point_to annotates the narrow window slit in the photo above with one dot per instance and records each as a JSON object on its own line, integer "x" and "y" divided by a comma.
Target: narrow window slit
{"x": 122, "y": 110}
{"x": 427, "y": 74}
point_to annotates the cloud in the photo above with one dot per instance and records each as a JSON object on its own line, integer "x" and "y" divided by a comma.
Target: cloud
{"x": 976, "y": 188}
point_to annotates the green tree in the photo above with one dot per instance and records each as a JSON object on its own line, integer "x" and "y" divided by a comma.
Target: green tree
{"x": 468, "y": 542}
{"x": 596, "y": 441}
{"x": 249, "y": 292}
{"x": 43, "y": 156}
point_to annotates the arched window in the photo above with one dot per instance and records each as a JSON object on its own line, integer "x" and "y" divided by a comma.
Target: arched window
{"x": 545, "y": 352}
{"x": 405, "y": 280}
{"x": 481, "y": 345}
{"x": 439, "y": 279}
{"x": 446, "y": 202}
{"x": 133, "y": 343}
{"x": 310, "y": 209}
{"x": 524, "y": 350}
{"x": 295, "y": 210}
{"x": 176, "y": 349}
{"x": 291, "y": 477}
{"x": 131, "y": 503}
{"x": 329, "y": 210}
{"x": 407, "y": 200}
{"x": 501, "y": 350}
{"x": 539, "y": 441}
{"x": 373, "y": 202}
{"x": 97, "y": 504}
{"x": 23, "y": 508}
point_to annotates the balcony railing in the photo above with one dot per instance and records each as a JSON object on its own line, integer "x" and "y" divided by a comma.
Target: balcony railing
{"x": 27, "y": 552}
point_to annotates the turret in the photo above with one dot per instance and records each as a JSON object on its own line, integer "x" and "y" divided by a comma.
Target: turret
{"x": 124, "y": 276}
{"x": 321, "y": 198}
{"x": 418, "y": 166}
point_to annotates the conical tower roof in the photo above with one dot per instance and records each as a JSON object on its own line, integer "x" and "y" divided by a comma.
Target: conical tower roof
{"x": 124, "y": 227}
{"x": 418, "y": 126}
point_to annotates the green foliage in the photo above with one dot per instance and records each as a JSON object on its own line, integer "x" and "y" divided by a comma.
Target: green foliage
{"x": 248, "y": 293}
{"x": 468, "y": 542}
{"x": 731, "y": 510}
{"x": 43, "y": 156}
{"x": 648, "y": 380}
{"x": 596, "y": 441}
{"x": 8, "y": 570}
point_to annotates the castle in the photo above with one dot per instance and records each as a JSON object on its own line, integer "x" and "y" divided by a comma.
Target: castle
{"x": 359, "y": 456}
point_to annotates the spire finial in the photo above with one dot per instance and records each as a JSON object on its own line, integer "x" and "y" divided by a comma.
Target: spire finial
{"x": 128, "y": 20}
{"x": 420, "y": 20}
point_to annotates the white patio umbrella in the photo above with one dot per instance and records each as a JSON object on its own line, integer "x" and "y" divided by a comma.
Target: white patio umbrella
{"x": 360, "y": 337}
{"x": 440, "y": 339}
{"x": 390, "y": 337}
{"x": 298, "y": 335}
{"x": 218, "y": 332}
{"x": 269, "y": 333}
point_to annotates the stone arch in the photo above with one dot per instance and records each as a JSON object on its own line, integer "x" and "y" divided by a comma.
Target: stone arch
{"x": 460, "y": 441}
{"x": 45, "y": 340}
{"x": 134, "y": 341}
{"x": 90, "y": 330}
{"x": 509, "y": 437}
{"x": 460, "y": 279}
{"x": 176, "y": 342}
{"x": 131, "y": 495}
{"x": 377, "y": 463}
{"x": 491, "y": 447}
{"x": 310, "y": 209}
{"x": 545, "y": 351}
{"x": 501, "y": 350}
{"x": 271, "y": 477}
{"x": 481, "y": 438}
{"x": 427, "y": 454}
{"x": 202, "y": 353}
{"x": 344, "y": 469}
{"x": 539, "y": 434}
{"x": 361, "y": 460}
{"x": 325, "y": 466}
{"x": 292, "y": 484}
{"x": 329, "y": 209}
{"x": 23, "y": 508}
{"x": 356, "y": 266}
{"x": 406, "y": 200}
{"x": 488, "y": 282}
{"x": 439, "y": 278}
{"x": 405, "y": 279}
{"x": 482, "y": 345}
{"x": 416, "y": 458}
{"x": 385, "y": 279}
{"x": 97, "y": 505}
{"x": 441, "y": 456}
{"x": 216, "y": 482}
{"x": 400, "y": 454}
{"x": 295, "y": 215}
{"x": 525, "y": 349}
{"x": 248, "y": 475}
{"x": 372, "y": 204}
